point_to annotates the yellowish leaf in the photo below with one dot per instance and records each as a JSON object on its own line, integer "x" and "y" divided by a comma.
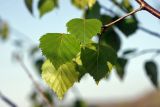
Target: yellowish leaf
{"x": 59, "y": 80}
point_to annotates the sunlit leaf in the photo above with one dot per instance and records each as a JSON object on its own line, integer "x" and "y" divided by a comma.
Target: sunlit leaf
{"x": 29, "y": 4}
{"x": 83, "y": 3}
{"x": 46, "y": 6}
{"x": 152, "y": 72}
{"x": 94, "y": 59}
{"x": 110, "y": 66}
{"x": 91, "y": 2}
{"x": 59, "y": 48}
{"x": 84, "y": 29}
{"x": 59, "y": 80}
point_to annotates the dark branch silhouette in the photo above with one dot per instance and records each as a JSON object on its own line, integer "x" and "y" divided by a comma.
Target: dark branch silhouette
{"x": 149, "y": 31}
{"x": 7, "y": 100}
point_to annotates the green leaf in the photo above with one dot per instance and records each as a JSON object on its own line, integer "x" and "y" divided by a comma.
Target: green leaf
{"x": 84, "y": 29}
{"x": 128, "y": 26}
{"x": 59, "y": 48}
{"x": 111, "y": 38}
{"x": 120, "y": 67}
{"x": 29, "y": 4}
{"x": 59, "y": 80}
{"x": 93, "y": 12}
{"x": 152, "y": 72}
{"x": 46, "y": 6}
{"x": 95, "y": 57}
{"x": 81, "y": 4}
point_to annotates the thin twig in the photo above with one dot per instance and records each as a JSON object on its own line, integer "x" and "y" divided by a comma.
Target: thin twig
{"x": 34, "y": 82}
{"x": 8, "y": 101}
{"x": 123, "y": 17}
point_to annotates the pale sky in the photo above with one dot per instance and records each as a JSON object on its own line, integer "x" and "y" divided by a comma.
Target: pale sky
{"x": 16, "y": 85}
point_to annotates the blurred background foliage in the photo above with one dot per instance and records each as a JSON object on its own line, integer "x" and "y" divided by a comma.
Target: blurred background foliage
{"x": 112, "y": 37}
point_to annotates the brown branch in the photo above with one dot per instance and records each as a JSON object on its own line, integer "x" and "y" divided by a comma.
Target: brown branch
{"x": 34, "y": 81}
{"x": 148, "y": 8}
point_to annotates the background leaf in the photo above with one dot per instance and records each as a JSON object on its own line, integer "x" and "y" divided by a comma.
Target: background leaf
{"x": 4, "y": 30}
{"x": 29, "y": 4}
{"x": 128, "y": 26}
{"x": 105, "y": 19}
{"x": 46, "y": 6}
{"x": 127, "y": 5}
{"x": 120, "y": 67}
{"x": 59, "y": 48}
{"x": 109, "y": 36}
{"x": 152, "y": 72}
{"x": 84, "y": 29}
{"x": 93, "y": 12}
{"x": 59, "y": 80}
{"x": 82, "y": 4}
{"x": 80, "y": 103}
